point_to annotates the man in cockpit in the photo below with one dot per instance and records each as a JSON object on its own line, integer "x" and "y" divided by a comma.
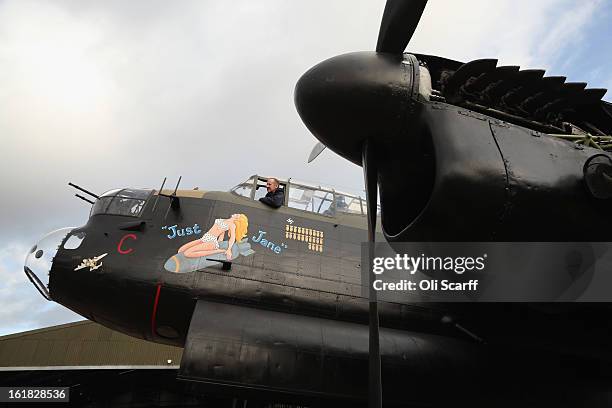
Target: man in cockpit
{"x": 275, "y": 196}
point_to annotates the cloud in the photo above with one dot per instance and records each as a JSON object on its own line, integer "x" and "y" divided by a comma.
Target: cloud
{"x": 23, "y": 308}
{"x": 524, "y": 32}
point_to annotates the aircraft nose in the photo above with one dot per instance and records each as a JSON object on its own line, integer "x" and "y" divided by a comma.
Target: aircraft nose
{"x": 355, "y": 96}
{"x": 39, "y": 260}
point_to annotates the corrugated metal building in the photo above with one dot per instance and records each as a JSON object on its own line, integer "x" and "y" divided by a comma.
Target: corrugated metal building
{"x": 103, "y": 368}
{"x": 83, "y": 344}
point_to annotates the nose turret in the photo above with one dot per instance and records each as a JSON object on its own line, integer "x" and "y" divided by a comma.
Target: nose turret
{"x": 39, "y": 259}
{"x": 353, "y": 97}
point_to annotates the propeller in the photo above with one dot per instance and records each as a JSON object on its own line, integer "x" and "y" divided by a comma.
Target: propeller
{"x": 370, "y": 173}
{"x": 400, "y": 20}
{"x": 350, "y": 101}
{"x": 316, "y": 151}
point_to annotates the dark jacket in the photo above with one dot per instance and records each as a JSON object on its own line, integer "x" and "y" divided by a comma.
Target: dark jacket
{"x": 275, "y": 199}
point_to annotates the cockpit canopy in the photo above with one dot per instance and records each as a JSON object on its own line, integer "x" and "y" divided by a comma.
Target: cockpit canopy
{"x": 306, "y": 196}
{"x": 127, "y": 202}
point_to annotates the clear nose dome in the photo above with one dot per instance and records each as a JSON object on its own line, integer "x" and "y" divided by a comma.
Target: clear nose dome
{"x": 40, "y": 258}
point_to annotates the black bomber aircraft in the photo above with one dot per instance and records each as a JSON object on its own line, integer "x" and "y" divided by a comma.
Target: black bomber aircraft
{"x": 269, "y": 301}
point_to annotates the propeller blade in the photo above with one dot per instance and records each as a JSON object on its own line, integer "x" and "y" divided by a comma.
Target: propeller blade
{"x": 400, "y": 20}
{"x": 316, "y": 151}
{"x": 370, "y": 173}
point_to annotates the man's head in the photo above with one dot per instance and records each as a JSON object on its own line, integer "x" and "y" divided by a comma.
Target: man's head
{"x": 272, "y": 185}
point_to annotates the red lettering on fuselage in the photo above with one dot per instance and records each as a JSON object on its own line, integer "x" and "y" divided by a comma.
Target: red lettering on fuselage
{"x": 120, "y": 244}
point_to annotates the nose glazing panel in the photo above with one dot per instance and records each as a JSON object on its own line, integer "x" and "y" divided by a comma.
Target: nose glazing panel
{"x": 39, "y": 259}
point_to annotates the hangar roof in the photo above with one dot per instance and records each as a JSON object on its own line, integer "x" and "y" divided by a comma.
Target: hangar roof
{"x": 81, "y": 345}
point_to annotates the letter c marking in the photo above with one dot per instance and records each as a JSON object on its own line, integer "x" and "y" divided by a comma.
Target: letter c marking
{"x": 120, "y": 245}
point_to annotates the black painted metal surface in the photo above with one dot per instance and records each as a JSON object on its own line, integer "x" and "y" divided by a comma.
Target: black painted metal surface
{"x": 465, "y": 152}
{"x": 235, "y": 347}
{"x": 505, "y": 181}
{"x": 313, "y": 357}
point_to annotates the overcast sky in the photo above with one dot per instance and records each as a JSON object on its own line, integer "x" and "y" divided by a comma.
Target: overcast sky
{"x": 113, "y": 94}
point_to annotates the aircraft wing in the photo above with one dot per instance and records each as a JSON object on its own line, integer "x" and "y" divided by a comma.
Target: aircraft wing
{"x": 245, "y": 348}
{"x": 97, "y": 258}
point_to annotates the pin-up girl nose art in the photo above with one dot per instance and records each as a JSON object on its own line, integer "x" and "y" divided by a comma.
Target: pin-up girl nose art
{"x": 212, "y": 247}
